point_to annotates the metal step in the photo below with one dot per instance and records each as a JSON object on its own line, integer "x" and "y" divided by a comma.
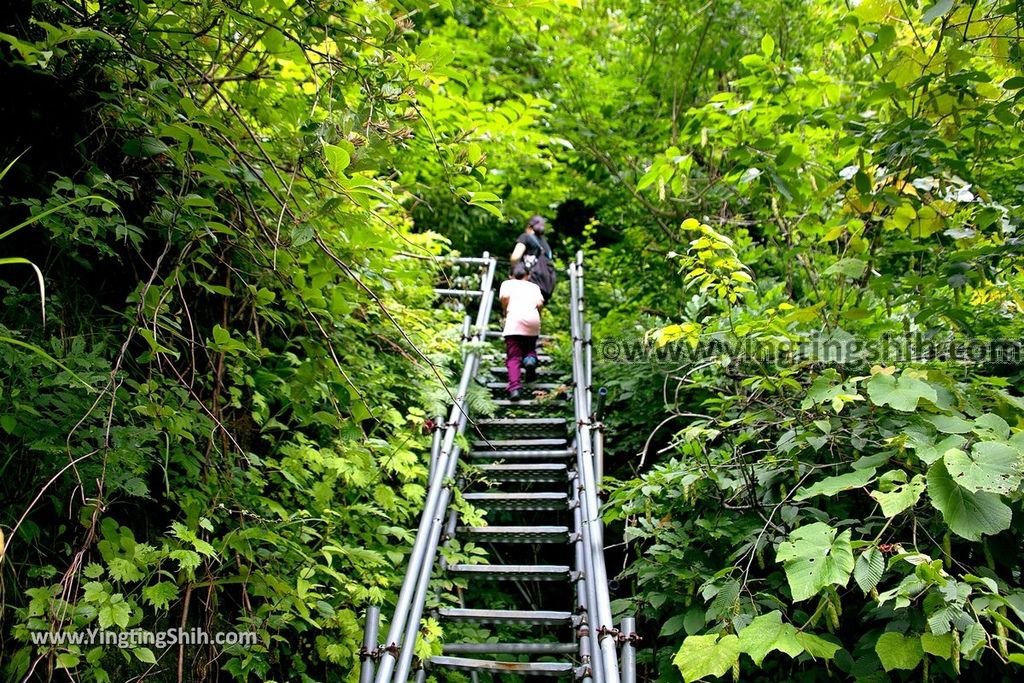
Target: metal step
{"x": 517, "y": 444}
{"x": 525, "y": 472}
{"x": 541, "y": 386}
{"x": 510, "y": 648}
{"x": 511, "y": 572}
{"x": 546, "y": 455}
{"x": 519, "y": 501}
{"x": 524, "y": 423}
{"x": 527, "y": 403}
{"x": 514, "y": 534}
{"x": 507, "y": 616}
{"x": 564, "y": 669}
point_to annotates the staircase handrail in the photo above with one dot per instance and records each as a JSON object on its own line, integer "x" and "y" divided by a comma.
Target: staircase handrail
{"x": 396, "y": 653}
{"x": 605, "y": 664}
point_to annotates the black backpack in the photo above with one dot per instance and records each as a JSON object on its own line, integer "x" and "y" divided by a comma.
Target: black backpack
{"x": 539, "y": 266}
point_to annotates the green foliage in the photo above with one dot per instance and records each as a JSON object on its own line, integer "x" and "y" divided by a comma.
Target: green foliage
{"x": 220, "y": 424}
{"x": 709, "y": 655}
{"x": 221, "y": 421}
{"x": 815, "y": 558}
{"x": 855, "y": 169}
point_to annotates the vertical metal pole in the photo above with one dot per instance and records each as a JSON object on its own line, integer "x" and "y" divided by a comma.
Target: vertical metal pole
{"x": 587, "y": 589}
{"x": 586, "y": 658}
{"x": 416, "y": 611}
{"x": 369, "y": 643}
{"x": 599, "y": 435}
{"x": 421, "y": 676}
{"x": 628, "y": 650}
{"x": 589, "y": 366}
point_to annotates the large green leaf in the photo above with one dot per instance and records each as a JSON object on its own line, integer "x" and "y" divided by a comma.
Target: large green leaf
{"x": 992, "y": 424}
{"x": 708, "y": 655}
{"x": 900, "y": 393}
{"x": 898, "y": 651}
{"x": 929, "y": 451}
{"x": 901, "y": 498}
{"x": 992, "y": 466}
{"x": 833, "y": 485}
{"x": 850, "y": 267}
{"x": 868, "y": 570}
{"x": 338, "y": 158}
{"x": 970, "y": 515}
{"x": 768, "y": 632}
{"x": 816, "y": 646}
{"x": 950, "y": 424}
{"x": 937, "y": 645}
{"x": 816, "y": 556}
{"x": 759, "y": 636}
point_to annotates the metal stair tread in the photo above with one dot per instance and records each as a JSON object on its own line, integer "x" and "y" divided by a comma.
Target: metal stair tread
{"x": 519, "y": 501}
{"x": 523, "y": 403}
{"x": 514, "y": 534}
{"x": 513, "y": 572}
{"x": 525, "y": 467}
{"x": 543, "y": 386}
{"x": 537, "y": 648}
{"x": 514, "y": 444}
{"x": 522, "y": 422}
{"x": 543, "y": 454}
{"x": 496, "y": 666}
{"x": 518, "y": 472}
{"x": 507, "y": 616}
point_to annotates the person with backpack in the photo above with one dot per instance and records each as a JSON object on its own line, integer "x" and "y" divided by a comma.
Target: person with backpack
{"x": 521, "y": 300}
{"x": 533, "y": 252}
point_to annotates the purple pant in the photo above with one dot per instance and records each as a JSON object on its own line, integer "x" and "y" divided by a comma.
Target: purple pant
{"x": 518, "y": 347}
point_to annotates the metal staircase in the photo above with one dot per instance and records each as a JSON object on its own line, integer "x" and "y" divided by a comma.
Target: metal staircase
{"x": 535, "y": 469}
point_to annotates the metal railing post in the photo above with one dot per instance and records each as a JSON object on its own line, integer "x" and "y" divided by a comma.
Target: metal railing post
{"x": 586, "y": 661}
{"x": 599, "y": 435}
{"x": 602, "y": 619}
{"x": 416, "y": 611}
{"x": 588, "y": 359}
{"x": 421, "y": 559}
{"x": 369, "y": 650}
{"x": 587, "y": 591}
{"x": 628, "y": 650}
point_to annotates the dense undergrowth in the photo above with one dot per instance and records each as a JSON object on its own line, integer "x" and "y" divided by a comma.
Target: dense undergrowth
{"x": 234, "y": 206}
